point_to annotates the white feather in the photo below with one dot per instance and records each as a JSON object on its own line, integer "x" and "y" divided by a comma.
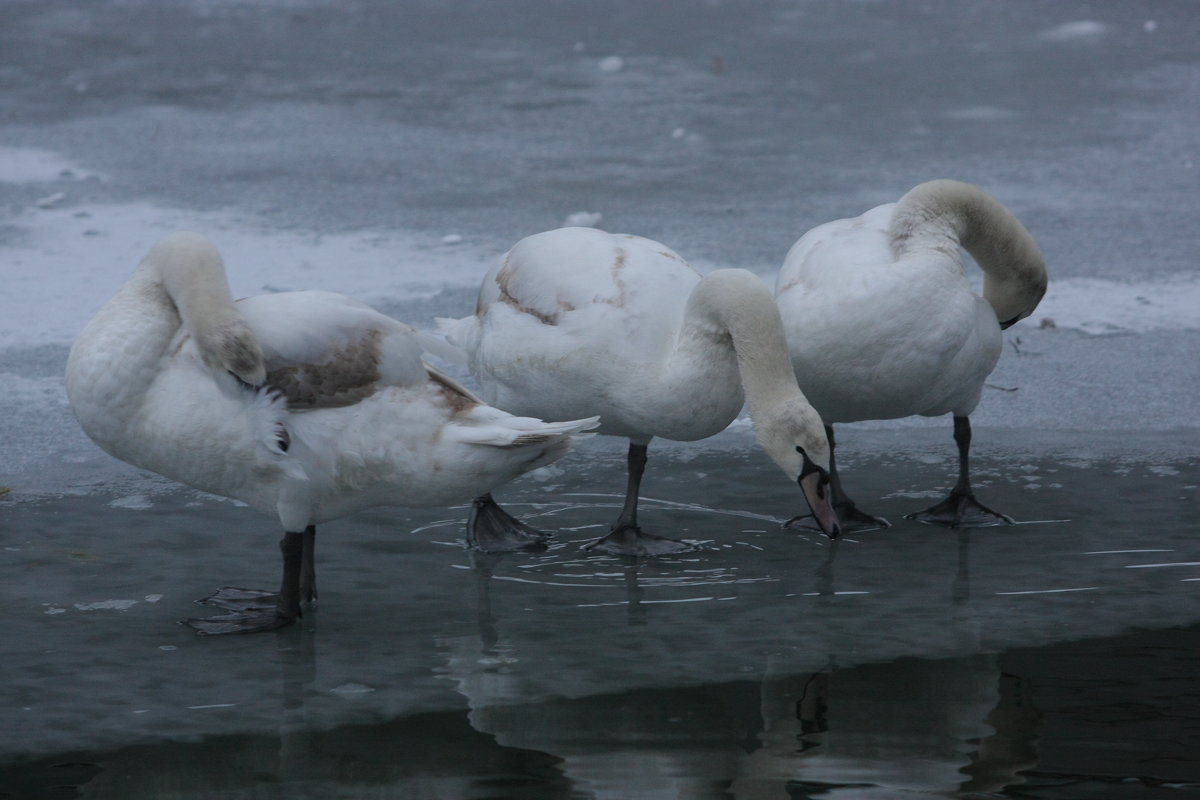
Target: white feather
{"x": 350, "y": 417}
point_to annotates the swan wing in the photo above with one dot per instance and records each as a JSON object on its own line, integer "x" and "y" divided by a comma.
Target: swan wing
{"x": 874, "y": 336}
{"x": 325, "y": 350}
{"x": 832, "y": 252}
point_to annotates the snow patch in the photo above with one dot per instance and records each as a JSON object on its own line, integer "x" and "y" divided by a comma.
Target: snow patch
{"x": 982, "y": 114}
{"x": 1098, "y": 306}
{"x": 583, "y": 219}
{"x": 1074, "y": 31}
{"x": 107, "y": 605}
{"x": 133, "y": 502}
{"x": 612, "y": 64}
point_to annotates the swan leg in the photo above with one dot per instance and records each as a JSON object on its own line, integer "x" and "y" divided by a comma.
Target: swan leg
{"x": 960, "y": 508}
{"x": 850, "y": 516}
{"x": 626, "y": 538}
{"x": 491, "y": 529}
{"x": 254, "y": 611}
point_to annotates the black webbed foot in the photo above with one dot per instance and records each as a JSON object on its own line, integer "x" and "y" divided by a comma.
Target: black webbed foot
{"x": 255, "y": 611}
{"x": 491, "y": 529}
{"x": 630, "y": 540}
{"x": 256, "y": 622}
{"x": 250, "y": 611}
{"x": 961, "y": 510}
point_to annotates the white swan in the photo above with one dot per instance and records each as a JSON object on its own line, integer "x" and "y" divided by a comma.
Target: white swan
{"x": 305, "y": 405}
{"x": 882, "y": 322}
{"x": 577, "y": 321}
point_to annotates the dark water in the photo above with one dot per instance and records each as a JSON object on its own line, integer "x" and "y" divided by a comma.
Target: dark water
{"x": 1051, "y": 659}
{"x": 1110, "y": 717}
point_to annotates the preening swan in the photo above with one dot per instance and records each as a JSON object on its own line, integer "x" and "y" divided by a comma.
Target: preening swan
{"x": 305, "y": 405}
{"x": 577, "y": 321}
{"x": 882, "y": 322}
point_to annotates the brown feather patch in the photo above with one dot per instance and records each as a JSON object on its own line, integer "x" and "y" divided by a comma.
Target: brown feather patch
{"x": 457, "y": 400}
{"x": 347, "y": 377}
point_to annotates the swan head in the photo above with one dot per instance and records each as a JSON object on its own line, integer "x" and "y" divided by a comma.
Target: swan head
{"x": 193, "y": 275}
{"x": 1016, "y": 299}
{"x": 228, "y": 345}
{"x": 795, "y": 440}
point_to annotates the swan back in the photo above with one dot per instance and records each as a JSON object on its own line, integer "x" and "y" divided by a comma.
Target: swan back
{"x": 577, "y": 322}
{"x": 575, "y": 278}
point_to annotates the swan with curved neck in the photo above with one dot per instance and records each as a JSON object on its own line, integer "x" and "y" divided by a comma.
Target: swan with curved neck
{"x": 882, "y": 322}
{"x": 619, "y": 326}
{"x": 305, "y": 405}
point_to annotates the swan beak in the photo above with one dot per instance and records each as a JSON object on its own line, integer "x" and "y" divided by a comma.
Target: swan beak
{"x": 815, "y": 486}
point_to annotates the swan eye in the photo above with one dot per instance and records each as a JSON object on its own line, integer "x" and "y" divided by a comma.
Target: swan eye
{"x": 241, "y": 382}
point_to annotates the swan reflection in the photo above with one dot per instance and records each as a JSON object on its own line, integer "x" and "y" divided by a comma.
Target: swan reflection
{"x": 803, "y": 725}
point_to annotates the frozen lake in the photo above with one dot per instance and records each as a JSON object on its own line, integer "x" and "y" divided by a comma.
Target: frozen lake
{"x": 393, "y": 151}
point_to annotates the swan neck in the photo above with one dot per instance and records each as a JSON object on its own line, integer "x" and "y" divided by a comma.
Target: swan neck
{"x": 941, "y": 215}
{"x": 180, "y": 286}
{"x": 734, "y": 309}
{"x": 192, "y": 275}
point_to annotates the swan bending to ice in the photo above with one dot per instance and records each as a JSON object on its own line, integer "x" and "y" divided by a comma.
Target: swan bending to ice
{"x": 579, "y": 322}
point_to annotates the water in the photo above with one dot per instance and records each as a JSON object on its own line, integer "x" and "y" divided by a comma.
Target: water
{"x": 1055, "y": 656}
{"x": 393, "y": 151}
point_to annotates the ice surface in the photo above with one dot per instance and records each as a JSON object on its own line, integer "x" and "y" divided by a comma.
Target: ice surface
{"x": 32, "y": 165}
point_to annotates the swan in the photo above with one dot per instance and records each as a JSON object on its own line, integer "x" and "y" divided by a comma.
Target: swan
{"x": 882, "y": 322}
{"x": 305, "y": 405}
{"x": 577, "y": 321}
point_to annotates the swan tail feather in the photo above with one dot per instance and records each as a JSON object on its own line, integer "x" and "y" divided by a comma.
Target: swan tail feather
{"x": 518, "y": 432}
{"x": 454, "y": 330}
{"x": 442, "y": 346}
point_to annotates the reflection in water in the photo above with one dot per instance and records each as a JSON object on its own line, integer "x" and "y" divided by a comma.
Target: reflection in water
{"x": 298, "y": 753}
{"x": 825, "y": 571}
{"x": 432, "y": 755}
{"x": 1010, "y": 748}
{"x": 805, "y": 718}
{"x": 958, "y": 727}
{"x": 960, "y": 592}
{"x": 913, "y": 724}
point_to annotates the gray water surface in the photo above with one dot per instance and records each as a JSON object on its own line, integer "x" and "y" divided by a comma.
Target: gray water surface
{"x": 429, "y": 671}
